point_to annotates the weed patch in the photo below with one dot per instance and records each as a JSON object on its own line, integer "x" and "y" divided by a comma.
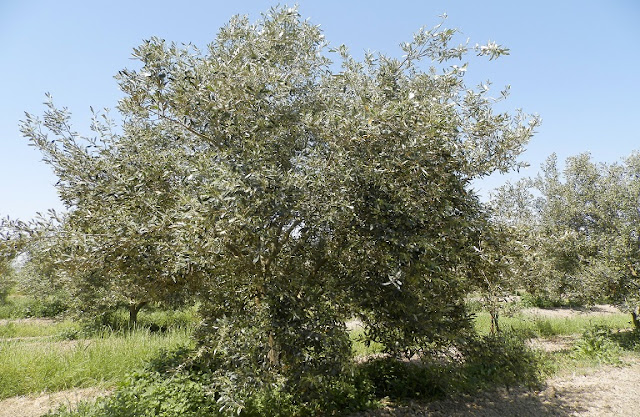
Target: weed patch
{"x": 597, "y": 344}
{"x": 38, "y": 328}
{"x": 540, "y": 326}
{"x": 28, "y": 367}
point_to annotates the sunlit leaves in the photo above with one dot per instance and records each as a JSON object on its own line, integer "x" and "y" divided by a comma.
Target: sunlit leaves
{"x": 580, "y": 229}
{"x": 285, "y": 195}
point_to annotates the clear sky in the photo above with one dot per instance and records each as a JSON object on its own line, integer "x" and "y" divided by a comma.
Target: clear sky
{"x": 575, "y": 63}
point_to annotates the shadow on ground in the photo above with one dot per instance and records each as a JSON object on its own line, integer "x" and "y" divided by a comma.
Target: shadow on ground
{"x": 501, "y": 403}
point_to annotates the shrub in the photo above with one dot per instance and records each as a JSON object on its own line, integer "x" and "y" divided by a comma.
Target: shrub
{"x": 173, "y": 386}
{"x": 150, "y": 394}
{"x": 397, "y": 379}
{"x": 500, "y": 360}
{"x": 49, "y": 306}
{"x": 597, "y": 343}
{"x": 6, "y": 284}
{"x": 546, "y": 301}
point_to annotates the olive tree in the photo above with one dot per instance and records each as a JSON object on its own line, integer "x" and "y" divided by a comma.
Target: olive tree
{"x": 581, "y": 229}
{"x": 288, "y": 194}
{"x": 122, "y": 195}
{"x": 6, "y": 281}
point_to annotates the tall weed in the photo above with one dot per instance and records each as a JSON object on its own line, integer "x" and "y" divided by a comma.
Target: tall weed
{"x": 597, "y": 343}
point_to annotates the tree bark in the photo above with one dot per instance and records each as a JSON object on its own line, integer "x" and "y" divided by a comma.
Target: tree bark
{"x": 273, "y": 355}
{"x": 495, "y": 325}
{"x": 635, "y": 316}
{"x": 134, "y": 309}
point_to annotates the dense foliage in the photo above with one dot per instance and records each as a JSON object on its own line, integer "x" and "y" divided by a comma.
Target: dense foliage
{"x": 580, "y": 228}
{"x": 6, "y": 280}
{"x": 287, "y": 194}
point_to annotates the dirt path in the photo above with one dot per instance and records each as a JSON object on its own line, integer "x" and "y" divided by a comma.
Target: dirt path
{"x": 596, "y": 310}
{"x": 32, "y": 406}
{"x": 607, "y": 391}
{"x": 34, "y": 321}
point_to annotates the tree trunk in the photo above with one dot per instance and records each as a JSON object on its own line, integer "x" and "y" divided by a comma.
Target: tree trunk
{"x": 635, "y": 316}
{"x": 495, "y": 326}
{"x": 134, "y": 308}
{"x": 273, "y": 355}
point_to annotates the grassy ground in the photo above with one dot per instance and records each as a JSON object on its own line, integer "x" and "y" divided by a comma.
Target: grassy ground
{"x": 38, "y": 355}
{"x": 36, "y": 328}
{"x": 29, "y": 366}
{"x": 361, "y": 349}
{"x": 538, "y": 326}
{"x": 16, "y": 306}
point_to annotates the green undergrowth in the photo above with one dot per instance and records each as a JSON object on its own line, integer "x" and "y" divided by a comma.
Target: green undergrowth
{"x": 360, "y": 347}
{"x": 31, "y": 366}
{"x": 19, "y": 306}
{"x": 19, "y": 328}
{"x": 166, "y": 389}
{"x": 529, "y": 300}
{"x": 147, "y": 368}
{"x": 155, "y": 319}
{"x": 598, "y": 346}
{"x": 534, "y": 326}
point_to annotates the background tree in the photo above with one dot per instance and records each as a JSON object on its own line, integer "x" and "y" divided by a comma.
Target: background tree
{"x": 6, "y": 280}
{"x": 288, "y": 197}
{"x": 121, "y": 194}
{"x": 582, "y": 228}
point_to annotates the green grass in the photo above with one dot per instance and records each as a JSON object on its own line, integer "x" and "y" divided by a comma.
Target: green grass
{"x": 599, "y": 339}
{"x": 37, "y": 329}
{"x": 15, "y": 307}
{"x": 18, "y": 306}
{"x": 359, "y": 348}
{"x": 34, "y": 366}
{"x": 553, "y": 326}
{"x": 186, "y": 317}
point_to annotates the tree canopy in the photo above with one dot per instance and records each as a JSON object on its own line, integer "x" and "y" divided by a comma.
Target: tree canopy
{"x": 286, "y": 192}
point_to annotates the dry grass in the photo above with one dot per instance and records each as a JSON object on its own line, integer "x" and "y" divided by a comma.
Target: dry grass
{"x": 597, "y": 310}
{"x": 38, "y": 404}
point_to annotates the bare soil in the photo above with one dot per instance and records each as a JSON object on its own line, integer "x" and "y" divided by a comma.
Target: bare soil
{"x": 553, "y": 344}
{"x": 607, "y": 391}
{"x": 596, "y": 310}
{"x": 35, "y": 321}
{"x": 38, "y": 405}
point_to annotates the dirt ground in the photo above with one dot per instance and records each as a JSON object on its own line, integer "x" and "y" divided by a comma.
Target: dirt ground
{"x": 596, "y": 310}
{"x": 33, "y": 321}
{"x": 36, "y": 406}
{"x": 607, "y": 391}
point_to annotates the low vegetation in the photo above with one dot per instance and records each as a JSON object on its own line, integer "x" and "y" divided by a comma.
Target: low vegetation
{"x": 533, "y": 325}
{"x": 31, "y": 365}
{"x": 153, "y": 373}
{"x": 37, "y": 328}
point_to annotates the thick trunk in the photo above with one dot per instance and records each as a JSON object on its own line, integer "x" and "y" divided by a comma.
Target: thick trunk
{"x": 134, "y": 309}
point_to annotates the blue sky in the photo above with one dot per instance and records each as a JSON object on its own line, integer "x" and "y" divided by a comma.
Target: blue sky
{"x": 575, "y": 63}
